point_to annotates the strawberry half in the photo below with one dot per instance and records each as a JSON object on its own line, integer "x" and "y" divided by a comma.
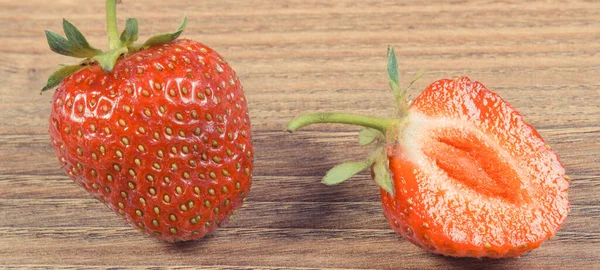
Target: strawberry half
{"x": 461, "y": 173}
{"x": 158, "y": 131}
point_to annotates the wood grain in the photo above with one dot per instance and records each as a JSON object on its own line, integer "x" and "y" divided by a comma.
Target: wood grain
{"x": 295, "y": 57}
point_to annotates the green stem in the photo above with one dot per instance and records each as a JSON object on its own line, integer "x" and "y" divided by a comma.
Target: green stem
{"x": 402, "y": 103}
{"x": 111, "y": 25}
{"x": 380, "y": 124}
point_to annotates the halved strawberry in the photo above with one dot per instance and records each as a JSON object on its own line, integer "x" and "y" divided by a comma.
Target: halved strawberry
{"x": 471, "y": 178}
{"x": 461, "y": 173}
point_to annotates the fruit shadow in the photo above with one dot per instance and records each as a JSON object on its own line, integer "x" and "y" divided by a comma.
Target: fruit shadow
{"x": 311, "y": 160}
{"x": 191, "y": 246}
{"x": 476, "y": 263}
{"x": 308, "y": 159}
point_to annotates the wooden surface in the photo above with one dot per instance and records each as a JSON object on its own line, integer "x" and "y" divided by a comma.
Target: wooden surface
{"x": 295, "y": 57}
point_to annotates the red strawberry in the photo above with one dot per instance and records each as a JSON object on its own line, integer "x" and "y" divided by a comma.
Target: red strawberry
{"x": 161, "y": 134}
{"x": 461, "y": 173}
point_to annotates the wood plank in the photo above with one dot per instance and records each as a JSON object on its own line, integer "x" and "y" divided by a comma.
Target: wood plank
{"x": 177, "y": 267}
{"x": 267, "y": 189}
{"x": 89, "y": 212}
{"x": 224, "y": 267}
{"x": 320, "y": 248}
{"x": 58, "y": 213}
{"x": 330, "y": 145}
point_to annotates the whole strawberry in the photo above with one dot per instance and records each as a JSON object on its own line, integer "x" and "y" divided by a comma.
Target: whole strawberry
{"x": 461, "y": 173}
{"x": 159, "y": 131}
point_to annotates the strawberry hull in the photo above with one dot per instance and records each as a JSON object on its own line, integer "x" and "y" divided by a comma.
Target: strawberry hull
{"x": 471, "y": 178}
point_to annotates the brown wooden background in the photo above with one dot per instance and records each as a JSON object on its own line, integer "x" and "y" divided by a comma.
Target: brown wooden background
{"x": 294, "y": 57}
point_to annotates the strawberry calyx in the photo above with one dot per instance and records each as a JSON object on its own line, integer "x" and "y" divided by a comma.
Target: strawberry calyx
{"x": 76, "y": 45}
{"x": 377, "y": 131}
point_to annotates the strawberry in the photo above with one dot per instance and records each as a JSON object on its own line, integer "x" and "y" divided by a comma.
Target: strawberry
{"x": 158, "y": 131}
{"x": 461, "y": 173}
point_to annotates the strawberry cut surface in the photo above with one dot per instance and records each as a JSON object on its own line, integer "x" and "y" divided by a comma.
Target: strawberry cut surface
{"x": 471, "y": 177}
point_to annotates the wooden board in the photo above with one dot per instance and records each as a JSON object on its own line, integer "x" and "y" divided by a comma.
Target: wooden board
{"x": 295, "y": 57}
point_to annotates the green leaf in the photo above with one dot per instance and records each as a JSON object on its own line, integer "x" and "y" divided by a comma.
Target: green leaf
{"x": 381, "y": 173}
{"x": 344, "y": 171}
{"x": 59, "y": 75}
{"x": 417, "y": 76}
{"x": 108, "y": 59}
{"x": 368, "y": 135}
{"x": 76, "y": 45}
{"x": 166, "y": 38}
{"x": 59, "y": 44}
{"x": 392, "y": 69}
{"x": 130, "y": 34}
{"x": 79, "y": 45}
